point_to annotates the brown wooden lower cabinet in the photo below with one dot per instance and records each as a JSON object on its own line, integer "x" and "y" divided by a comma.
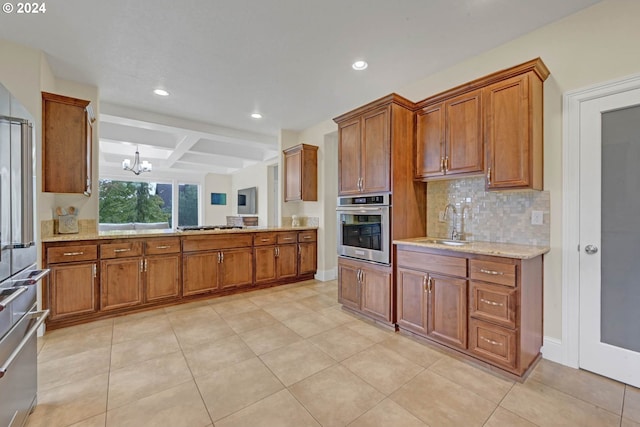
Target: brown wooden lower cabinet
{"x": 120, "y": 283}
{"x": 162, "y": 277}
{"x": 72, "y": 290}
{"x": 97, "y": 278}
{"x": 486, "y": 307}
{"x": 366, "y": 288}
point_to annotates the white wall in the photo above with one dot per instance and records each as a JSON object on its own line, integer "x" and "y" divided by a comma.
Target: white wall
{"x": 253, "y": 176}
{"x": 217, "y": 214}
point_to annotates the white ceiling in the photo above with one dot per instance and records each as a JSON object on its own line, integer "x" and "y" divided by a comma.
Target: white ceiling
{"x": 221, "y": 60}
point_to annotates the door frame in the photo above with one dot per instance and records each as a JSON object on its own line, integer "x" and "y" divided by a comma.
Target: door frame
{"x": 572, "y": 102}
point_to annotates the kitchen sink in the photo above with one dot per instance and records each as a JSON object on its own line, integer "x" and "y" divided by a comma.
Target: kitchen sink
{"x": 447, "y": 242}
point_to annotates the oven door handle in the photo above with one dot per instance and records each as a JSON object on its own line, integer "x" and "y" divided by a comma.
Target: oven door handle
{"x": 42, "y": 316}
{"x": 362, "y": 209}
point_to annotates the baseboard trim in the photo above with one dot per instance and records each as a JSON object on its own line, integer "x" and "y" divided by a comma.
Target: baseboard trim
{"x": 552, "y": 349}
{"x": 326, "y": 275}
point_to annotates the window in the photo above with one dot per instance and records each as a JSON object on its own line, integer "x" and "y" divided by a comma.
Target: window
{"x": 127, "y": 201}
{"x": 188, "y": 204}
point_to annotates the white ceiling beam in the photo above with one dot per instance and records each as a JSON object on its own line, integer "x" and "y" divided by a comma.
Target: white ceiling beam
{"x": 183, "y": 146}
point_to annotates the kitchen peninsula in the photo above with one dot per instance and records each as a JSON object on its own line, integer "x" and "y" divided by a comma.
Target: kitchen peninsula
{"x": 98, "y": 275}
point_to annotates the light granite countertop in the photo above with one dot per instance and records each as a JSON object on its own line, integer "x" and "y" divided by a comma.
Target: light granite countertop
{"x": 507, "y": 250}
{"x": 130, "y": 234}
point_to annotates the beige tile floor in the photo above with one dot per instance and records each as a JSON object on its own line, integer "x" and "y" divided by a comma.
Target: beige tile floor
{"x": 289, "y": 356}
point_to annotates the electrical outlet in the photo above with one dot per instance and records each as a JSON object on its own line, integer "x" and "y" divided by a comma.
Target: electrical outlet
{"x": 537, "y": 217}
{"x": 441, "y": 216}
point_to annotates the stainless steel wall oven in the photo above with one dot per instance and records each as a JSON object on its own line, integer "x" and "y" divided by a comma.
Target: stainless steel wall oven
{"x": 363, "y": 227}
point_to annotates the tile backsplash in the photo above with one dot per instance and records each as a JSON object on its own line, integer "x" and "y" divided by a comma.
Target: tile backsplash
{"x": 491, "y": 216}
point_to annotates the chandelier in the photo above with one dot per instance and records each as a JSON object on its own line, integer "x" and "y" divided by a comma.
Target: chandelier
{"x": 137, "y": 167}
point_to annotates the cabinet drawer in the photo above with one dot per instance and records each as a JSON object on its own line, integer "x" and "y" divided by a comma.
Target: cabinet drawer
{"x": 493, "y": 303}
{"x": 72, "y": 253}
{"x": 452, "y": 266}
{"x": 493, "y": 343}
{"x": 307, "y": 236}
{"x": 262, "y": 239}
{"x": 120, "y": 250}
{"x": 162, "y": 246}
{"x": 213, "y": 242}
{"x": 291, "y": 237}
{"x": 495, "y": 272}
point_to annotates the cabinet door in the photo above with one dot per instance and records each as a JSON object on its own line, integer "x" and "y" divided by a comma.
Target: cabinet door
{"x": 199, "y": 273}
{"x": 507, "y": 133}
{"x": 72, "y": 290}
{"x": 375, "y": 163}
{"x": 308, "y": 259}
{"x": 376, "y": 293}
{"x": 293, "y": 176}
{"x": 349, "y": 157}
{"x": 348, "y": 285}
{"x": 120, "y": 283}
{"x": 430, "y": 137}
{"x": 447, "y": 321}
{"x": 287, "y": 261}
{"x": 64, "y": 143}
{"x": 465, "y": 148}
{"x": 412, "y": 302}
{"x": 265, "y": 259}
{"x": 235, "y": 268}
{"x": 162, "y": 277}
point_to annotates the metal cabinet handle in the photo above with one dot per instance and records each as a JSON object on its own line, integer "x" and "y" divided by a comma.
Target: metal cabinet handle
{"x": 145, "y": 265}
{"x": 163, "y": 247}
{"x": 424, "y": 283}
{"x": 72, "y": 253}
{"x": 492, "y": 272}
{"x": 442, "y": 164}
{"x": 288, "y": 238}
{"x": 42, "y": 316}
{"x": 489, "y": 175}
{"x": 264, "y": 240}
{"x": 141, "y": 266}
{"x": 430, "y": 283}
{"x": 277, "y": 251}
{"x": 219, "y": 259}
{"x": 221, "y": 256}
{"x": 446, "y": 164}
{"x": 492, "y": 342}
{"x": 306, "y": 237}
{"x": 16, "y": 294}
{"x": 94, "y": 269}
{"x": 122, "y": 250}
{"x": 486, "y": 301}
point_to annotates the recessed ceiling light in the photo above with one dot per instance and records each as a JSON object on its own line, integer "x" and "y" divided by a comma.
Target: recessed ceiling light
{"x": 256, "y": 115}
{"x": 161, "y": 92}
{"x": 359, "y": 65}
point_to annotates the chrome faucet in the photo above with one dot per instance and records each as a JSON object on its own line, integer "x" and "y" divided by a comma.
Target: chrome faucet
{"x": 454, "y": 232}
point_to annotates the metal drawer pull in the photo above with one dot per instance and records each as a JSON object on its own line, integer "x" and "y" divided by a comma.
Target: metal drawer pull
{"x": 20, "y": 290}
{"x": 163, "y": 247}
{"x": 121, "y": 250}
{"x": 264, "y": 240}
{"x": 489, "y": 175}
{"x": 306, "y": 237}
{"x": 492, "y": 342}
{"x": 486, "y": 301}
{"x": 73, "y": 253}
{"x": 493, "y": 272}
{"x": 42, "y": 316}
{"x": 288, "y": 238}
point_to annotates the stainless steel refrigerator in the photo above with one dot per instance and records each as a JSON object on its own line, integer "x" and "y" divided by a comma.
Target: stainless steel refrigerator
{"x": 19, "y": 276}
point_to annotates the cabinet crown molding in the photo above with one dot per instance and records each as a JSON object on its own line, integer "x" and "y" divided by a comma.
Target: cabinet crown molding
{"x": 392, "y": 98}
{"x": 536, "y": 65}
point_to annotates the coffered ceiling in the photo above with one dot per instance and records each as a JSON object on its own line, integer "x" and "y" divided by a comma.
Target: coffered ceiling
{"x": 222, "y": 60}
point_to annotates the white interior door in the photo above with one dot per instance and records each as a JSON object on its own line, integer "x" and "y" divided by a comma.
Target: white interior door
{"x": 610, "y": 236}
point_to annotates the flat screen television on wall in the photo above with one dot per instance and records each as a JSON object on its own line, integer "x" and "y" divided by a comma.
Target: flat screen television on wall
{"x": 247, "y": 201}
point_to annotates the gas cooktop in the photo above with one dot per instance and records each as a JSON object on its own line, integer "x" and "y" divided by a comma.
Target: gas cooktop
{"x": 208, "y": 227}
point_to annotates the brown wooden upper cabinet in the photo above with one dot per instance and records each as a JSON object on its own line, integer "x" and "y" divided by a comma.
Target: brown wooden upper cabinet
{"x": 67, "y": 136}
{"x": 449, "y": 137}
{"x": 492, "y": 125}
{"x": 301, "y": 173}
{"x": 364, "y": 160}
